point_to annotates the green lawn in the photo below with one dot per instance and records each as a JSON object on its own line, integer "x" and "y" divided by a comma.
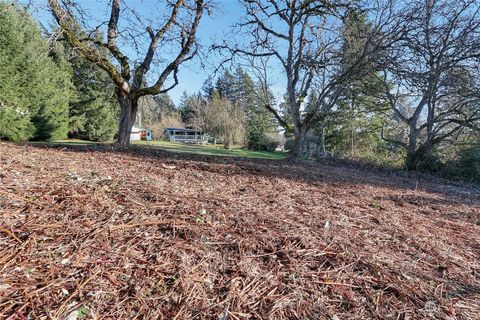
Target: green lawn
{"x": 213, "y": 150}
{"x": 72, "y": 142}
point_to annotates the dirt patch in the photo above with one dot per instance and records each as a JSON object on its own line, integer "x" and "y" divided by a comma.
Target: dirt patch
{"x": 92, "y": 232}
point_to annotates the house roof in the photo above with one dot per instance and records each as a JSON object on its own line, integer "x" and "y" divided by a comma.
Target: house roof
{"x": 137, "y": 129}
{"x": 182, "y": 129}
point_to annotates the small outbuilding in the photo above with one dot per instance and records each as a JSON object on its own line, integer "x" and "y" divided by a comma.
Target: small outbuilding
{"x": 185, "y": 135}
{"x": 138, "y": 134}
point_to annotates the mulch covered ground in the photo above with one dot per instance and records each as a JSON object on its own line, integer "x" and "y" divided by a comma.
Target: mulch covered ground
{"x": 93, "y": 233}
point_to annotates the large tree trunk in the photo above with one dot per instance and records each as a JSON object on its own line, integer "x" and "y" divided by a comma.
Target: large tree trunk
{"x": 411, "y": 162}
{"x": 226, "y": 143}
{"x": 298, "y": 142}
{"x": 128, "y": 112}
{"x": 419, "y": 159}
{"x": 320, "y": 150}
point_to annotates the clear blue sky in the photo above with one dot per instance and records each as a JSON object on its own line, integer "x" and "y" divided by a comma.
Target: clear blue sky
{"x": 212, "y": 28}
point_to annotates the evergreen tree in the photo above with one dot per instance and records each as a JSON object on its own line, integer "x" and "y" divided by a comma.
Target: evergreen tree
{"x": 227, "y": 86}
{"x": 165, "y": 103}
{"x": 94, "y": 112}
{"x": 52, "y": 120}
{"x": 187, "y": 107}
{"x": 242, "y": 92}
{"x": 35, "y": 81}
{"x": 152, "y": 109}
{"x": 261, "y": 126}
{"x": 353, "y": 127}
{"x": 208, "y": 88}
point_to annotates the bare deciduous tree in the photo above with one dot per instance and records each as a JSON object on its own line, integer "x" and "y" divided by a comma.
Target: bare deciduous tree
{"x": 305, "y": 38}
{"x": 178, "y": 29}
{"x": 432, "y": 79}
{"x": 221, "y": 119}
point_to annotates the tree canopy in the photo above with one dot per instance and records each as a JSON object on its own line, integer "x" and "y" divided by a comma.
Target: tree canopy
{"x": 36, "y": 81}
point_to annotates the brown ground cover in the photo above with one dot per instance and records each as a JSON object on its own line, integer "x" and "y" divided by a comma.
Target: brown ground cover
{"x": 94, "y": 233}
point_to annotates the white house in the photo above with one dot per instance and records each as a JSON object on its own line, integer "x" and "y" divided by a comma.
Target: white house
{"x": 185, "y": 135}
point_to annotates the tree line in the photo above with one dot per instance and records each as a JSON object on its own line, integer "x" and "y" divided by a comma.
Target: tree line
{"x": 423, "y": 56}
{"x": 227, "y": 109}
{"x": 48, "y": 91}
{"x": 385, "y": 80}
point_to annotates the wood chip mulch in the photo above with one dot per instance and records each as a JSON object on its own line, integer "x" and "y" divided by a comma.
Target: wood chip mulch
{"x": 97, "y": 233}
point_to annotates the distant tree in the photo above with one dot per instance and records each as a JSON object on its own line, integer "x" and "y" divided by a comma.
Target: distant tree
{"x": 353, "y": 127}
{"x": 35, "y": 80}
{"x": 165, "y": 103}
{"x": 432, "y": 80}
{"x": 208, "y": 88}
{"x": 227, "y": 86}
{"x": 157, "y": 113}
{"x": 239, "y": 88}
{"x": 221, "y": 119}
{"x": 167, "y": 121}
{"x": 149, "y": 111}
{"x": 186, "y": 107}
{"x": 178, "y": 29}
{"x": 304, "y": 38}
{"x": 261, "y": 124}
{"x": 152, "y": 109}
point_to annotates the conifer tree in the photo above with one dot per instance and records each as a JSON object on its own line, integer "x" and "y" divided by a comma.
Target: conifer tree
{"x": 35, "y": 80}
{"x": 94, "y": 111}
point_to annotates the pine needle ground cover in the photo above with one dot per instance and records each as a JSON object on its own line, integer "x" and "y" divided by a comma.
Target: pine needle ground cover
{"x": 89, "y": 232}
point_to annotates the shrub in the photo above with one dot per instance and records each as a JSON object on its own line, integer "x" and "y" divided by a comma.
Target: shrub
{"x": 466, "y": 166}
{"x": 255, "y": 140}
{"x": 289, "y": 144}
{"x": 429, "y": 162}
{"x": 267, "y": 142}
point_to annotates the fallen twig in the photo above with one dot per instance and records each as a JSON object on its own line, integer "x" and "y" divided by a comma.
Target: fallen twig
{"x": 10, "y": 233}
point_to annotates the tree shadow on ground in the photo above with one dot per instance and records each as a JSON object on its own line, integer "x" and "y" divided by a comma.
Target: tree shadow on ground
{"x": 328, "y": 171}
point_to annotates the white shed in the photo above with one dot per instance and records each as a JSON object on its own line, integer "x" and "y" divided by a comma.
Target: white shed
{"x": 140, "y": 134}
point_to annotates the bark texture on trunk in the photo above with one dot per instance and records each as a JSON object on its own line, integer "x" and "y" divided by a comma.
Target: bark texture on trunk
{"x": 419, "y": 159}
{"x": 298, "y": 142}
{"x": 411, "y": 162}
{"x": 128, "y": 113}
{"x": 226, "y": 144}
{"x": 320, "y": 148}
